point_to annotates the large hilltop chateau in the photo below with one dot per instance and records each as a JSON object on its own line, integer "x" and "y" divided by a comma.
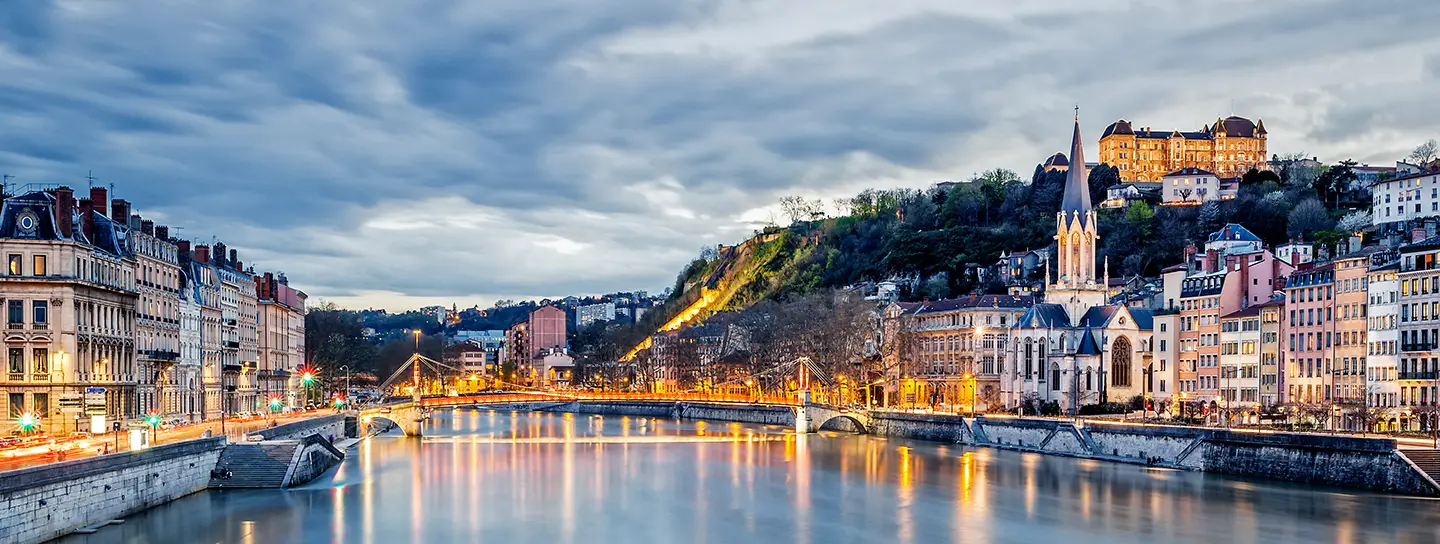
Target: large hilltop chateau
{"x": 1228, "y": 148}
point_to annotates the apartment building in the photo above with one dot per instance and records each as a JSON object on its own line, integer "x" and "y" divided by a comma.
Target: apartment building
{"x": 1310, "y": 326}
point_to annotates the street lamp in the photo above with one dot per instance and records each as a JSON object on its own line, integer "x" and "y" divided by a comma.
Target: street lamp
{"x": 973, "y": 383}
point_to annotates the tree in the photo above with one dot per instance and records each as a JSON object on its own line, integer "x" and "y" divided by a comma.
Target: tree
{"x": 1336, "y": 180}
{"x": 1184, "y": 193}
{"x": 1256, "y": 177}
{"x": 1424, "y": 153}
{"x": 1102, "y": 177}
{"x": 1308, "y": 217}
{"x": 1354, "y": 222}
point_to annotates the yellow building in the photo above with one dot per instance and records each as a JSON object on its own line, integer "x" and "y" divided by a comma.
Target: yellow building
{"x": 1229, "y": 148}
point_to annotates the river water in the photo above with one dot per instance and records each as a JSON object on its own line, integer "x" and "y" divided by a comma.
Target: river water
{"x": 503, "y": 477}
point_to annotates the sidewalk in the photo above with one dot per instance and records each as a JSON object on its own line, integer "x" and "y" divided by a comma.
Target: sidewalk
{"x": 111, "y": 443}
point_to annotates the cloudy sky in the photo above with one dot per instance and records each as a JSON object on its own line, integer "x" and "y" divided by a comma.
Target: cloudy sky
{"x": 393, "y": 154}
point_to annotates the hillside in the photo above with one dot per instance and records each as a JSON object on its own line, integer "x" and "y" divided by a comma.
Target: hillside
{"x": 938, "y": 240}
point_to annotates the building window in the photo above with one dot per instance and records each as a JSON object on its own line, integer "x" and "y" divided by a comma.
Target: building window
{"x": 17, "y": 360}
{"x": 17, "y": 311}
{"x": 15, "y": 265}
{"x": 17, "y": 405}
{"x": 42, "y": 360}
{"x": 39, "y": 269}
{"x": 42, "y": 312}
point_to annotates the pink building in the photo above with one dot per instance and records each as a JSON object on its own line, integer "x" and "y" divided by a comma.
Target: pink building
{"x": 547, "y": 330}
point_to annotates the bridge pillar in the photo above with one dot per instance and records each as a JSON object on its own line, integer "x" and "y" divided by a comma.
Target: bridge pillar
{"x": 408, "y": 418}
{"x": 802, "y": 414}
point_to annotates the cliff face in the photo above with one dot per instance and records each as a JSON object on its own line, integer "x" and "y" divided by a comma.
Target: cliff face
{"x": 740, "y": 276}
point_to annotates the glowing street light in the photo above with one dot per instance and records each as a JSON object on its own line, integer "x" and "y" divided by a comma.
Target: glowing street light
{"x": 28, "y": 422}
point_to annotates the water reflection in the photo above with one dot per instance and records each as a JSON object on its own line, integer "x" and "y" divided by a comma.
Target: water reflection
{"x": 482, "y": 476}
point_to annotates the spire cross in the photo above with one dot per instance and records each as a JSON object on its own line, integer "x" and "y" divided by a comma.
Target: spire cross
{"x": 1077, "y": 113}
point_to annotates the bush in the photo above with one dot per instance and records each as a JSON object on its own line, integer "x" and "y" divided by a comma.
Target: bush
{"x": 1104, "y": 408}
{"x": 1051, "y": 408}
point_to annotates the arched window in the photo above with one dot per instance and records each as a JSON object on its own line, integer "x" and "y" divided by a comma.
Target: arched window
{"x": 1120, "y": 362}
{"x": 1054, "y": 376}
{"x": 1029, "y": 360}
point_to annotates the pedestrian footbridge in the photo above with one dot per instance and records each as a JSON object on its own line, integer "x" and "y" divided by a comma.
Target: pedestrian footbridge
{"x": 410, "y": 415}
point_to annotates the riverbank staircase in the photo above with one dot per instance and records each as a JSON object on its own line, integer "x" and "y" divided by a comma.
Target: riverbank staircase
{"x": 1427, "y": 460}
{"x": 260, "y": 465}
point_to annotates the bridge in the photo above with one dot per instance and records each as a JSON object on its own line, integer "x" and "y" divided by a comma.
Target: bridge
{"x": 410, "y": 415}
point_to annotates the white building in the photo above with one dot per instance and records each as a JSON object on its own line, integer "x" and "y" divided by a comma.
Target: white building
{"x": 1189, "y": 186}
{"x": 594, "y": 313}
{"x": 1295, "y": 253}
{"x": 192, "y": 355}
{"x": 1240, "y": 360}
{"x": 1161, "y": 384}
{"x": 1383, "y": 336}
{"x": 1405, "y": 198}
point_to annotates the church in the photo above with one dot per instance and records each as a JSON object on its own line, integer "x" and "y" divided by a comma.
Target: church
{"x": 1075, "y": 347}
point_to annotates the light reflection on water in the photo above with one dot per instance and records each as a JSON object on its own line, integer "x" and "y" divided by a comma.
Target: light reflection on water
{"x": 482, "y": 476}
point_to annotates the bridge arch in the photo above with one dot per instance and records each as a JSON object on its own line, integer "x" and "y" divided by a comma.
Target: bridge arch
{"x": 844, "y": 423}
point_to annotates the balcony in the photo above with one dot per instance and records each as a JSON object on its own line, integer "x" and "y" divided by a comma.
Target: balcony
{"x": 231, "y": 344}
{"x": 14, "y": 325}
{"x": 39, "y": 326}
{"x": 1417, "y": 375}
{"x": 161, "y": 355}
{"x": 1418, "y": 346}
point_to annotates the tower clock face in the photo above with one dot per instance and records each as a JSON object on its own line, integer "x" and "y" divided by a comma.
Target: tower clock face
{"x": 27, "y": 222}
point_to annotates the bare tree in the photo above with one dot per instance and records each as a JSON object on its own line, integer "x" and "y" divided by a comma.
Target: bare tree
{"x": 1184, "y": 193}
{"x": 795, "y": 208}
{"x": 1424, "y": 153}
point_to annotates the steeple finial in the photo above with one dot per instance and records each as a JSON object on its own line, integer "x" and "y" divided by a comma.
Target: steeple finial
{"x": 1077, "y": 113}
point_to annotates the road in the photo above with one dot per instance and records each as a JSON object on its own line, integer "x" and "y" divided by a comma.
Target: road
{"x": 23, "y": 457}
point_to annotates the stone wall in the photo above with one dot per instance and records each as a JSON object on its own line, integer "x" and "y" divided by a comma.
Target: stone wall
{"x": 1362, "y": 463}
{"x": 47, "y": 502}
{"x": 331, "y": 427}
{"x": 315, "y": 456}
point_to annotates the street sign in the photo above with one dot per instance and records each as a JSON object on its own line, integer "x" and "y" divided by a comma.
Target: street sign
{"x": 95, "y": 390}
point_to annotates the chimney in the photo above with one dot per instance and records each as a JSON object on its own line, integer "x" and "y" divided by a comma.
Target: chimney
{"x": 135, "y": 220}
{"x": 235, "y": 258}
{"x": 163, "y": 232}
{"x": 120, "y": 211}
{"x": 1245, "y": 295}
{"x": 202, "y": 254}
{"x": 65, "y": 211}
{"x": 1212, "y": 260}
{"x": 97, "y": 200}
{"x": 87, "y": 220}
{"x": 147, "y": 226}
{"x": 219, "y": 254}
{"x": 182, "y": 248}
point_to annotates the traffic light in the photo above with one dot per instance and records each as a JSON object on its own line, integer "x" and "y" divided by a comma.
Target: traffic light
{"x": 275, "y": 404}
{"x": 28, "y": 422}
{"x": 308, "y": 377}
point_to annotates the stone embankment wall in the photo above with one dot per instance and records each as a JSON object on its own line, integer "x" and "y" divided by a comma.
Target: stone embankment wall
{"x": 331, "y": 427}
{"x": 1361, "y": 463}
{"x": 47, "y": 502}
{"x": 314, "y": 457}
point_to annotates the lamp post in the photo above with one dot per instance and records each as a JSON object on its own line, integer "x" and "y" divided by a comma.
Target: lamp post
{"x": 347, "y": 383}
{"x": 973, "y": 383}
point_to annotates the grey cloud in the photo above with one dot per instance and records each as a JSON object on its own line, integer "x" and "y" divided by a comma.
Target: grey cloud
{"x": 289, "y": 132}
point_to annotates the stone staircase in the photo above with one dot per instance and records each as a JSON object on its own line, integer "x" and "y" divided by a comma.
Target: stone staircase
{"x": 1427, "y": 460}
{"x": 263, "y": 465}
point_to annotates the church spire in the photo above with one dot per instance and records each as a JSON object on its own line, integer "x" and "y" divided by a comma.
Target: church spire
{"x": 1077, "y": 185}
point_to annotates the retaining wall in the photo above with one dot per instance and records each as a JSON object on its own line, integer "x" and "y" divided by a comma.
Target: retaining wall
{"x": 1362, "y": 463}
{"x": 47, "y": 502}
{"x": 331, "y": 427}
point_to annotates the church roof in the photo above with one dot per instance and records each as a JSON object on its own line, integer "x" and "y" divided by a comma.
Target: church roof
{"x": 1044, "y": 315}
{"x": 1100, "y": 317}
{"x": 1088, "y": 345}
{"x": 1077, "y": 186}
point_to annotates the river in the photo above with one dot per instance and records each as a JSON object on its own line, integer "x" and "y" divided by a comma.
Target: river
{"x": 503, "y": 477}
